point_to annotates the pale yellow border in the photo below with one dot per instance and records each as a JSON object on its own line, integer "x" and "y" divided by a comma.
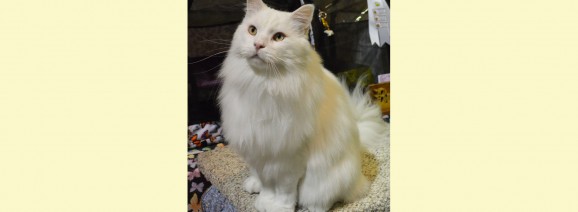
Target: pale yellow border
{"x": 93, "y": 106}
{"x": 484, "y": 106}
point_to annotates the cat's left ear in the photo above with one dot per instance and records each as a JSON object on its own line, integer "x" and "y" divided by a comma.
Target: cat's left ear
{"x": 303, "y": 16}
{"x": 253, "y": 6}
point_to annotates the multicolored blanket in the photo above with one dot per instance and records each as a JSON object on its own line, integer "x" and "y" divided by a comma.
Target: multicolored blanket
{"x": 202, "y": 137}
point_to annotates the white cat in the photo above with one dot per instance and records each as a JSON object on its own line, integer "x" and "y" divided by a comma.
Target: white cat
{"x": 291, "y": 120}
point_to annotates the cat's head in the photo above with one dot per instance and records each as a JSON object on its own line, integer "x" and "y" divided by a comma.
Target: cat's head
{"x": 267, "y": 37}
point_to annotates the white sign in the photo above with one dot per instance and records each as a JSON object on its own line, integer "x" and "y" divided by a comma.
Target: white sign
{"x": 378, "y": 21}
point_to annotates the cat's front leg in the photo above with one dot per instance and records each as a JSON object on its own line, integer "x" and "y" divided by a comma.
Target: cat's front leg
{"x": 252, "y": 183}
{"x": 280, "y": 186}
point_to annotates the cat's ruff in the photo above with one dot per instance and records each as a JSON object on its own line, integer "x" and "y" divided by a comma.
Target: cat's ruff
{"x": 290, "y": 119}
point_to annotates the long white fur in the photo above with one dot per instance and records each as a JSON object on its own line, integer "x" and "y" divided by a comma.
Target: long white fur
{"x": 295, "y": 125}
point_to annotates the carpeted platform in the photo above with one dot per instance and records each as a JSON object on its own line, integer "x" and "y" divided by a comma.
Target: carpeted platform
{"x": 226, "y": 170}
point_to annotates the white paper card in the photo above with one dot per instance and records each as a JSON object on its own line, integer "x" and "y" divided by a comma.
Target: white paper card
{"x": 383, "y": 78}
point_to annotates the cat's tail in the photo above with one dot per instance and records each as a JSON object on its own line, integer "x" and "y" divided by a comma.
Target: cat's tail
{"x": 373, "y": 130}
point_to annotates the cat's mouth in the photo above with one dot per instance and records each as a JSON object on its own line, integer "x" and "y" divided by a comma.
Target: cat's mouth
{"x": 256, "y": 56}
{"x": 256, "y": 62}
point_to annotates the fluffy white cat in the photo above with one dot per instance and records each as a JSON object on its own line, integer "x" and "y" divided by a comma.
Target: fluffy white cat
{"x": 292, "y": 121}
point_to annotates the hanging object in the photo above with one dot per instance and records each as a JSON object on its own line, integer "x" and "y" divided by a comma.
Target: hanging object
{"x": 378, "y": 18}
{"x": 323, "y": 19}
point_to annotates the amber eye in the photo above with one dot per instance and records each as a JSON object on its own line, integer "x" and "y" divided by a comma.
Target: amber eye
{"x": 278, "y": 36}
{"x": 252, "y": 30}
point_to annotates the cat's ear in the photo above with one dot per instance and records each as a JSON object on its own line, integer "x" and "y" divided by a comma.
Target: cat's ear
{"x": 254, "y": 5}
{"x": 303, "y": 16}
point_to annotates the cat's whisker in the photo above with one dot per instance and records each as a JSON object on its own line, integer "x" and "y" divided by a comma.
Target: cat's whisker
{"x": 275, "y": 69}
{"x": 278, "y": 58}
{"x": 224, "y": 42}
{"x": 202, "y": 72}
{"x": 217, "y": 39}
{"x": 278, "y": 71}
{"x": 221, "y": 48}
{"x": 209, "y": 56}
{"x": 273, "y": 66}
{"x": 216, "y": 50}
{"x": 269, "y": 67}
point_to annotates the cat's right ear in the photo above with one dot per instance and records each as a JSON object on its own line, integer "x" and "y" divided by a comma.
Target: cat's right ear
{"x": 253, "y": 6}
{"x": 303, "y": 16}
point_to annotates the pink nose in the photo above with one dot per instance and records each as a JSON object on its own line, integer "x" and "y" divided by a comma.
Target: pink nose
{"x": 259, "y": 46}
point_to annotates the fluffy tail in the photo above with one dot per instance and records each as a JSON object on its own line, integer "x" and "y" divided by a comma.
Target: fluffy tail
{"x": 373, "y": 131}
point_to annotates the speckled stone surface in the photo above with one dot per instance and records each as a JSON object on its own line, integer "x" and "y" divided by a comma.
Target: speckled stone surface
{"x": 227, "y": 171}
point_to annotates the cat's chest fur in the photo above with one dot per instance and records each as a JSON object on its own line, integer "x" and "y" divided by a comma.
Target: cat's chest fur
{"x": 267, "y": 118}
{"x": 274, "y": 114}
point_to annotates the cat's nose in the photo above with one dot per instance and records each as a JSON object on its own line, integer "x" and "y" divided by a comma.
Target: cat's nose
{"x": 258, "y": 46}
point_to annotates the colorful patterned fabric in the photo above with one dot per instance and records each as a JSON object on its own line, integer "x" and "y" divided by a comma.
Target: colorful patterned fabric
{"x": 205, "y": 134}
{"x": 202, "y": 137}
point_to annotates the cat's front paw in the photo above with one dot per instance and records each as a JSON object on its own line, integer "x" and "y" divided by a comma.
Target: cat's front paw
{"x": 252, "y": 185}
{"x": 265, "y": 202}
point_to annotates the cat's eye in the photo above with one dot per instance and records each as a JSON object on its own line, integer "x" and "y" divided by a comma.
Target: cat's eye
{"x": 252, "y": 30}
{"x": 278, "y": 36}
